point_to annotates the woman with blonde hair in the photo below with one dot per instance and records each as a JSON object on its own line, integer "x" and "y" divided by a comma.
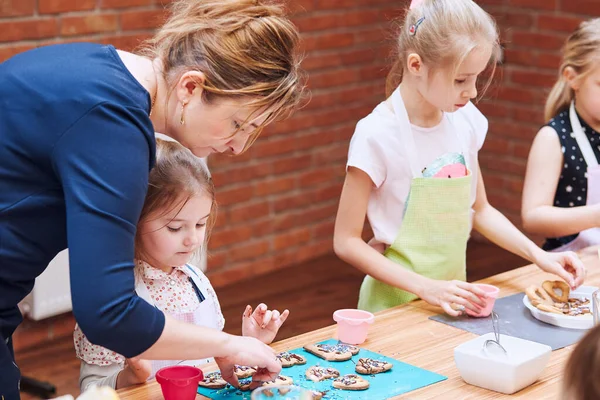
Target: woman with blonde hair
{"x": 78, "y": 122}
{"x": 561, "y": 197}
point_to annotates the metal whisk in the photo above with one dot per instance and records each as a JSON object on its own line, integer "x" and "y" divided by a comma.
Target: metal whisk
{"x": 496, "y": 342}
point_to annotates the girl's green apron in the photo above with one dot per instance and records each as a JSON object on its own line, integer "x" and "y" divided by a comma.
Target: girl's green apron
{"x": 432, "y": 240}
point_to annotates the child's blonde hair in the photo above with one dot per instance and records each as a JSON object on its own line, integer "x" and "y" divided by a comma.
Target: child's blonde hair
{"x": 177, "y": 176}
{"x": 243, "y": 47}
{"x": 583, "y": 368}
{"x": 446, "y": 32}
{"x": 581, "y": 52}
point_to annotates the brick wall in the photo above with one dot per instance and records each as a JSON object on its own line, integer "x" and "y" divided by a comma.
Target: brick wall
{"x": 278, "y": 201}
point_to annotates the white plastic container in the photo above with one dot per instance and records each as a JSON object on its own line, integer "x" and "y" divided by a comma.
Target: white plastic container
{"x": 520, "y": 367}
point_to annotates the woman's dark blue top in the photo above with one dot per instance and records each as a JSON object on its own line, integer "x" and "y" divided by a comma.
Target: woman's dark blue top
{"x": 76, "y": 147}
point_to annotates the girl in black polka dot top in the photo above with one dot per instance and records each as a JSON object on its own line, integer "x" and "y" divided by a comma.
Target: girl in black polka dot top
{"x": 561, "y": 197}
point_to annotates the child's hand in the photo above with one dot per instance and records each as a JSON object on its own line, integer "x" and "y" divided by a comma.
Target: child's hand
{"x": 566, "y": 265}
{"x": 446, "y": 293}
{"x": 263, "y": 324}
{"x": 141, "y": 369}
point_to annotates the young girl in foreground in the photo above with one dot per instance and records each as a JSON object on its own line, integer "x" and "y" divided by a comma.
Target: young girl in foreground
{"x": 413, "y": 170}
{"x": 177, "y": 216}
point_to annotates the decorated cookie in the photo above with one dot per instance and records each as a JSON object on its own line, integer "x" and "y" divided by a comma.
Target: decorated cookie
{"x": 368, "y": 366}
{"x": 351, "y": 382}
{"x": 347, "y": 347}
{"x": 280, "y": 380}
{"x": 290, "y": 359}
{"x": 213, "y": 380}
{"x": 317, "y": 374}
{"x": 243, "y": 372}
{"x": 318, "y": 395}
{"x": 332, "y": 352}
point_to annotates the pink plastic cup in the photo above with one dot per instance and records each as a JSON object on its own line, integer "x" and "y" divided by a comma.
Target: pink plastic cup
{"x": 179, "y": 382}
{"x": 353, "y": 325}
{"x": 492, "y": 292}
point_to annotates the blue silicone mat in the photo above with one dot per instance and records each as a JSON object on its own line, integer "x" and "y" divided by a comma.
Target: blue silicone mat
{"x": 402, "y": 378}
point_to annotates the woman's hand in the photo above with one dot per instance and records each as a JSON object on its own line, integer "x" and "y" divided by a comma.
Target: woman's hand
{"x": 445, "y": 293}
{"x": 248, "y": 351}
{"x": 566, "y": 265}
{"x": 263, "y": 323}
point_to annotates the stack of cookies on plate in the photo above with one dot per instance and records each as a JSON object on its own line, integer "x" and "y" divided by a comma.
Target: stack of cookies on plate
{"x": 553, "y": 297}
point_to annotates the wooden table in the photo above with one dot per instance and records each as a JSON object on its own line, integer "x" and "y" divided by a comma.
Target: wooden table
{"x": 406, "y": 334}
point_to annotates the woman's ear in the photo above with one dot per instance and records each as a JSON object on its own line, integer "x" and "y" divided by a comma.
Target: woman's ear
{"x": 189, "y": 85}
{"x": 571, "y": 76}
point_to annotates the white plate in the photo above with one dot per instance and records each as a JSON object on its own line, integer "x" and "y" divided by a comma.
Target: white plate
{"x": 566, "y": 321}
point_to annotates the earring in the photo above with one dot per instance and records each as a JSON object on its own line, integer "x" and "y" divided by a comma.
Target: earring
{"x": 182, "y": 120}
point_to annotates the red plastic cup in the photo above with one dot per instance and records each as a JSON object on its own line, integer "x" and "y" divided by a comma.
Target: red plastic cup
{"x": 492, "y": 292}
{"x": 353, "y": 325}
{"x": 179, "y": 382}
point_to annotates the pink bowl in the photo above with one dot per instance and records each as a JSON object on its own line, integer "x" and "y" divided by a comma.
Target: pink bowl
{"x": 353, "y": 325}
{"x": 492, "y": 292}
{"x": 179, "y": 382}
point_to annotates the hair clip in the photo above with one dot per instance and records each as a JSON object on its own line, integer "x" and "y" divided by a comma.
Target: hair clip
{"x": 412, "y": 31}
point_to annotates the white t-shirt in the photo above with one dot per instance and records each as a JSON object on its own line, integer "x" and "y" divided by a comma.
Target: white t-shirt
{"x": 377, "y": 149}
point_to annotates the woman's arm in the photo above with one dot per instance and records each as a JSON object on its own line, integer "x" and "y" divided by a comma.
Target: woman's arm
{"x": 539, "y": 215}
